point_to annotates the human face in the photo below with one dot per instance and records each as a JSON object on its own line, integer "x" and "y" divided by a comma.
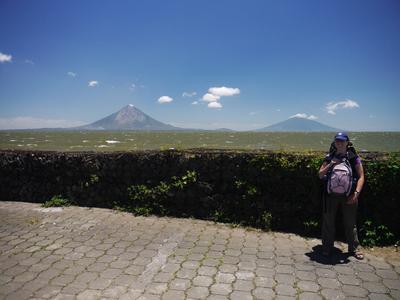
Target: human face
{"x": 341, "y": 146}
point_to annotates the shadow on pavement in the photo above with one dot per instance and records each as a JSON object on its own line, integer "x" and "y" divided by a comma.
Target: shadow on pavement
{"x": 337, "y": 256}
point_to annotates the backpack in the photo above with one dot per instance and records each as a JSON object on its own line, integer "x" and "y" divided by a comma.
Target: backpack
{"x": 340, "y": 178}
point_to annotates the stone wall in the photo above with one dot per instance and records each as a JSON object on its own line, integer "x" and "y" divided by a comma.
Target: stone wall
{"x": 270, "y": 190}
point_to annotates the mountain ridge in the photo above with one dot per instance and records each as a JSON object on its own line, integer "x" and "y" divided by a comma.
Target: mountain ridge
{"x": 297, "y": 124}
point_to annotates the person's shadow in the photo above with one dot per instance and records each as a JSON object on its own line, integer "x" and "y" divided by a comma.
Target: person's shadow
{"x": 335, "y": 258}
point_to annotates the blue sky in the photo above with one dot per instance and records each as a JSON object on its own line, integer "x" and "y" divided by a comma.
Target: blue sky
{"x": 64, "y": 63}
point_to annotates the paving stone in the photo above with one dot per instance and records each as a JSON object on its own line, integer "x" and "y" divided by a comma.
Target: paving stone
{"x": 224, "y": 278}
{"x": 197, "y": 292}
{"x": 169, "y": 267}
{"x": 62, "y": 296}
{"x": 344, "y": 270}
{"x": 285, "y": 279}
{"x": 380, "y": 264}
{"x": 48, "y": 292}
{"x": 354, "y": 291}
{"x": 111, "y": 273}
{"x": 243, "y": 285}
{"x": 73, "y": 289}
{"x": 264, "y": 282}
{"x": 266, "y": 263}
{"x": 24, "y": 277}
{"x": 308, "y": 286}
{"x": 325, "y": 273}
{"x": 157, "y": 288}
{"x": 217, "y": 297}
{"x": 238, "y": 295}
{"x": 19, "y": 294}
{"x": 392, "y": 284}
{"x": 227, "y": 268}
{"x": 380, "y": 297}
{"x": 247, "y": 265}
{"x": 375, "y": 287}
{"x": 202, "y": 281}
{"x": 349, "y": 279}
{"x": 173, "y": 295}
{"x": 328, "y": 283}
{"x": 89, "y": 295}
{"x": 186, "y": 274}
{"x": 191, "y": 264}
{"x": 180, "y": 284}
{"x": 163, "y": 277}
{"x": 125, "y": 280}
{"x": 284, "y": 289}
{"x": 368, "y": 276}
{"x": 309, "y": 296}
{"x": 395, "y": 294}
{"x": 332, "y": 294}
{"x": 306, "y": 275}
{"x": 221, "y": 289}
{"x": 264, "y": 293}
{"x": 387, "y": 274}
{"x": 244, "y": 275}
{"x": 62, "y": 280}
{"x": 99, "y": 284}
{"x": 114, "y": 292}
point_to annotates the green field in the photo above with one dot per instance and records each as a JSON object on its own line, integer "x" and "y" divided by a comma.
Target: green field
{"x": 134, "y": 140}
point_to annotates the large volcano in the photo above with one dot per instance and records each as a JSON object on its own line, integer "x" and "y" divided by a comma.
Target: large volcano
{"x": 128, "y": 118}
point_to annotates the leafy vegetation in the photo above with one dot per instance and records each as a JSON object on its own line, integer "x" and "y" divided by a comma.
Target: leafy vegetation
{"x": 57, "y": 201}
{"x": 376, "y": 235}
{"x": 147, "y": 200}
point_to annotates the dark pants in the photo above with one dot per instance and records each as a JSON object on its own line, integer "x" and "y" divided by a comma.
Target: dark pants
{"x": 331, "y": 205}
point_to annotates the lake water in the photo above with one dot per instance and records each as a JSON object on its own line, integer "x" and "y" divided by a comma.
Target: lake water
{"x": 134, "y": 140}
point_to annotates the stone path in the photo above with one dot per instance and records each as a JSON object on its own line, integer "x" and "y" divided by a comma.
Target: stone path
{"x": 82, "y": 253}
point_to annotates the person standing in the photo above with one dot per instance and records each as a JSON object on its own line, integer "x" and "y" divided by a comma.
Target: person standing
{"x": 340, "y": 166}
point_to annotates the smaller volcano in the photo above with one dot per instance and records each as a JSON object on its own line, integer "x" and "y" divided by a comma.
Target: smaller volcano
{"x": 299, "y": 125}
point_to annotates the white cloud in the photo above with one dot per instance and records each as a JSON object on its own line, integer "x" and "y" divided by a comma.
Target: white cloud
{"x": 28, "y": 61}
{"x": 195, "y": 102}
{"x": 188, "y": 94}
{"x": 5, "y": 58}
{"x": 331, "y": 107}
{"x": 211, "y": 97}
{"x": 304, "y": 116}
{"x": 93, "y": 83}
{"x": 72, "y": 74}
{"x": 255, "y": 113}
{"x": 32, "y": 123}
{"x": 165, "y": 99}
{"x": 214, "y": 105}
{"x": 132, "y": 87}
{"x": 224, "y": 91}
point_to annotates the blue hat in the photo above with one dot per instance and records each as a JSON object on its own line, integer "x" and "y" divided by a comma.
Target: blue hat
{"x": 341, "y": 136}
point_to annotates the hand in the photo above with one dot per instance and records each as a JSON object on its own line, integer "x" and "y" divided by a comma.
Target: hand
{"x": 352, "y": 199}
{"x": 334, "y": 161}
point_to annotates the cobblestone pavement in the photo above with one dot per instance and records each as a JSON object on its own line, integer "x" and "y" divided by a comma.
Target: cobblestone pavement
{"x": 82, "y": 253}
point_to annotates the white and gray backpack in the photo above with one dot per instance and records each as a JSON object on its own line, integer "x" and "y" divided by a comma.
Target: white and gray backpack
{"x": 340, "y": 179}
